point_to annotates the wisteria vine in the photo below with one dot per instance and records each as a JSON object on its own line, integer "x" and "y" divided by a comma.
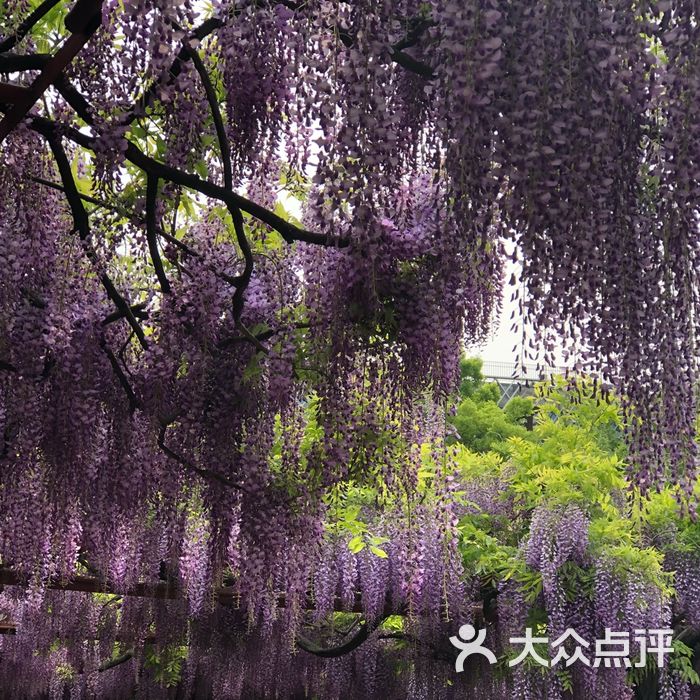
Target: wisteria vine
{"x": 241, "y": 248}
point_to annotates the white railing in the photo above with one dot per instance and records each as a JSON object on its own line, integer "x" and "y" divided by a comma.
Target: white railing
{"x": 511, "y": 371}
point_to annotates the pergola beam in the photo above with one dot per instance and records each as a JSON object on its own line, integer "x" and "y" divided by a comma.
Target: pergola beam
{"x": 83, "y": 19}
{"x": 165, "y": 590}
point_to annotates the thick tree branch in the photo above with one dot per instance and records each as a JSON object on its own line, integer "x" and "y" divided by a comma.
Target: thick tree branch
{"x": 260, "y": 337}
{"x": 244, "y": 245}
{"x": 204, "y": 473}
{"x": 225, "y": 595}
{"x": 26, "y": 26}
{"x": 82, "y": 20}
{"x": 69, "y": 93}
{"x": 80, "y": 217}
{"x": 84, "y": 17}
{"x": 244, "y": 279}
{"x": 396, "y": 51}
{"x": 185, "y": 248}
{"x": 152, "y": 232}
{"x": 417, "y": 28}
{"x": 82, "y": 225}
{"x": 139, "y": 311}
{"x": 286, "y": 229}
{"x": 412, "y": 64}
{"x": 134, "y": 401}
{"x": 225, "y": 149}
{"x": 117, "y": 660}
{"x": 11, "y": 63}
{"x": 213, "y": 101}
{"x": 365, "y": 629}
{"x": 11, "y": 94}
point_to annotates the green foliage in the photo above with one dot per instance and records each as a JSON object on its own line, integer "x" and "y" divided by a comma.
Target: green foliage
{"x": 483, "y": 426}
{"x": 574, "y": 455}
{"x": 471, "y": 377}
{"x": 520, "y": 409}
{"x": 681, "y": 661}
{"x": 351, "y": 508}
{"x": 580, "y": 405}
{"x": 166, "y": 663}
{"x": 480, "y": 423}
{"x": 65, "y": 672}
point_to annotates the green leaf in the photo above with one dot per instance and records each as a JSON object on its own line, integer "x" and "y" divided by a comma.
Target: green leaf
{"x": 356, "y": 544}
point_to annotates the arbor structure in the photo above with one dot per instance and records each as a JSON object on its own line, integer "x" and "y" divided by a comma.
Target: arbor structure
{"x": 193, "y": 380}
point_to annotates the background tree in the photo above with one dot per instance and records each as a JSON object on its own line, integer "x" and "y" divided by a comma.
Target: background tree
{"x": 481, "y": 424}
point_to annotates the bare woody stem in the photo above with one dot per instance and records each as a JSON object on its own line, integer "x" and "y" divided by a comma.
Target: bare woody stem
{"x": 152, "y": 232}
{"x": 82, "y": 226}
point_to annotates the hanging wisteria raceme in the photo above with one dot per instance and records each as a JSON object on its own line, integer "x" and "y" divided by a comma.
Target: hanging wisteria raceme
{"x": 193, "y": 368}
{"x": 72, "y": 635}
{"x": 558, "y": 547}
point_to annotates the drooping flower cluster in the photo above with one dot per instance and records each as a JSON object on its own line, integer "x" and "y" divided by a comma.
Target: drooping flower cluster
{"x": 184, "y": 383}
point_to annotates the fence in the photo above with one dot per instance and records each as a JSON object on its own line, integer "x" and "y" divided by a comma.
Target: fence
{"x": 512, "y": 378}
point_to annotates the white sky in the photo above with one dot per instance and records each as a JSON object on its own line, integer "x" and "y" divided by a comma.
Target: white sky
{"x": 499, "y": 347}
{"x": 501, "y": 343}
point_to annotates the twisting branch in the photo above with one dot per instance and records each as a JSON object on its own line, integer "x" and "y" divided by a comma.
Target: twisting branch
{"x": 117, "y": 660}
{"x": 133, "y": 217}
{"x": 259, "y": 338}
{"x": 225, "y": 149}
{"x": 152, "y": 232}
{"x": 26, "y": 26}
{"x": 365, "y": 629}
{"x": 417, "y": 27}
{"x": 83, "y": 19}
{"x": 134, "y": 401}
{"x": 11, "y": 94}
{"x": 396, "y": 51}
{"x": 185, "y": 248}
{"x": 333, "y": 652}
{"x": 80, "y": 217}
{"x": 122, "y": 211}
{"x": 412, "y": 64}
{"x": 243, "y": 279}
{"x": 11, "y": 63}
{"x": 82, "y": 225}
{"x": 247, "y": 256}
{"x": 139, "y": 311}
{"x": 204, "y": 473}
{"x": 224, "y": 146}
{"x": 71, "y": 95}
{"x": 149, "y": 95}
{"x": 286, "y": 229}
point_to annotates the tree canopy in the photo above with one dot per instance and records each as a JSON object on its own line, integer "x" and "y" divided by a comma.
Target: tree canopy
{"x": 242, "y": 245}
